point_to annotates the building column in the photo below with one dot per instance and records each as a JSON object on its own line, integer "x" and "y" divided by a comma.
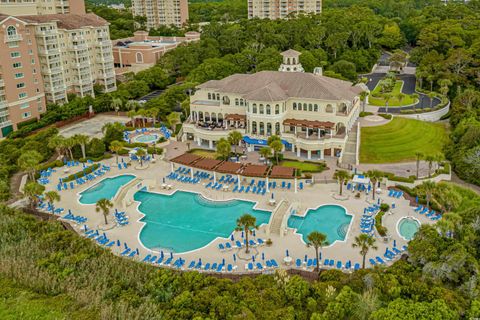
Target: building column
{"x": 321, "y": 154}
{"x": 266, "y": 183}
{"x": 238, "y": 183}
{"x": 307, "y": 133}
{"x": 210, "y": 144}
{"x": 298, "y": 152}
{"x": 309, "y": 154}
{"x": 199, "y": 141}
{"x": 318, "y": 133}
{"x": 214, "y": 177}
{"x": 293, "y": 147}
{"x": 295, "y": 130}
{"x": 296, "y": 185}
{"x": 171, "y": 167}
{"x": 191, "y": 173}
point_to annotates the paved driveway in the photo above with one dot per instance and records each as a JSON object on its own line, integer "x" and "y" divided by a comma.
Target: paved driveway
{"x": 91, "y": 127}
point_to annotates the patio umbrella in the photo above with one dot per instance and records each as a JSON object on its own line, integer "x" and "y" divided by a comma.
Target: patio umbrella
{"x": 125, "y": 245}
{"x": 253, "y": 258}
{"x": 386, "y": 250}
{"x": 234, "y": 257}
{"x": 232, "y": 238}
{"x": 223, "y": 261}
{"x": 378, "y": 202}
{"x": 138, "y": 252}
{"x": 306, "y": 258}
{"x": 272, "y": 195}
{"x": 161, "y": 254}
{"x": 286, "y": 253}
{"x": 394, "y": 243}
{"x": 104, "y": 235}
{"x": 200, "y": 260}
{"x": 171, "y": 255}
{"x": 254, "y": 233}
{"x": 85, "y": 227}
{"x": 163, "y": 179}
{"x": 118, "y": 243}
{"x": 263, "y": 256}
{"x": 242, "y": 234}
{"x": 320, "y": 256}
{"x": 364, "y": 210}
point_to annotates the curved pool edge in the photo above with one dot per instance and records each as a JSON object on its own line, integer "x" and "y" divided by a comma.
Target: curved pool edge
{"x": 295, "y": 233}
{"x": 79, "y": 194}
{"x": 397, "y": 226}
{"x": 143, "y": 224}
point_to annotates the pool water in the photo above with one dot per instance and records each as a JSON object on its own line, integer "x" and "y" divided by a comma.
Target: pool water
{"x": 332, "y": 220}
{"x": 186, "y": 221}
{"x": 407, "y": 228}
{"x": 107, "y": 188}
{"x": 146, "y": 138}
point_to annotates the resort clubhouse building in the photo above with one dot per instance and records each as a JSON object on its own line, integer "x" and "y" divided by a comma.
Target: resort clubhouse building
{"x": 312, "y": 114}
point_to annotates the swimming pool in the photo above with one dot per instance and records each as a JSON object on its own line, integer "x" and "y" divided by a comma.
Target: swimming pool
{"x": 186, "y": 221}
{"x": 107, "y": 188}
{"x": 332, "y": 220}
{"x": 408, "y": 227}
{"x": 146, "y": 138}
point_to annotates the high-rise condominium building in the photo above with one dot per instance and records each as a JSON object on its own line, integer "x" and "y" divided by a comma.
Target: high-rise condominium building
{"x": 161, "y": 12}
{"x": 278, "y": 9}
{"x": 40, "y": 7}
{"x": 44, "y": 57}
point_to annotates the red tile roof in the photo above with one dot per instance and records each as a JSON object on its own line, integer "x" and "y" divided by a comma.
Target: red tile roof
{"x": 282, "y": 172}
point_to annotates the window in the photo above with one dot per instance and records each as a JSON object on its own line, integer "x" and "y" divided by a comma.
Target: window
{"x": 254, "y": 108}
{"x": 209, "y": 96}
{"x": 294, "y": 106}
{"x": 22, "y": 95}
{"x": 20, "y": 85}
{"x": 218, "y": 96}
{"x": 236, "y": 101}
{"x": 304, "y": 107}
{"x": 139, "y": 57}
{"x": 261, "y": 109}
{"x": 17, "y": 65}
{"x": 310, "y": 107}
{"x": 30, "y": 52}
{"x": 315, "y": 107}
{"x": 11, "y": 31}
{"x": 33, "y": 61}
{"x": 19, "y": 75}
{"x": 329, "y": 108}
{"x": 15, "y": 54}
{"x": 268, "y": 109}
{"x": 26, "y": 115}
{"x": 277, "y": 109}
{"x": 24, "y": 105}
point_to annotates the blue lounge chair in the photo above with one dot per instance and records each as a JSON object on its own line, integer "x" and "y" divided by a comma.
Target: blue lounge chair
{"x": 168, "y": 261}
{"x": 274, "y": 263}
{"x": 300, "y": 185}
{"x": 418, "y": 208}
{"x": 238, "y": 243}
{"x": 380, "y": 260}
{"x": 259, "y": 266}
{"x": 298, "y": 263}
{"x": 250, "y": 266}
{"x": 260, "y": 241}
{"x": 132, "y": 254}
{"x": 207, "y": 266}
{"x": 125, "y": 252}
{"x": 252, "y": 243}
{"x": 235, "y": 189}
{"x": 153, "y": 259}
{"x": 214, "y": 266}
{"x": 228, "y": 246}
{"x": 221, "y": 247}
{"x": 229, "y": 268}
{"x": 356, "y": 266}
{"x": 326, "y": 262}
{"x": 339, "y": 265}
{"x": 220, "y": 267}
{"x": 332, "y": 263}
{"x": 372, "y": 262}
{"x": 111, "y": 243}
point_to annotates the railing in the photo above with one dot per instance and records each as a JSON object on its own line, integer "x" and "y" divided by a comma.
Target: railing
{"x": 13, "y": 37}
{"x": 2, "y": 83}
{"x": 5, "y": 123}
{"x": 4, "y": 113}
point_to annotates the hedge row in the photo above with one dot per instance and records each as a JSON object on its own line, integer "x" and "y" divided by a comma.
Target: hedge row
{"x": 82, "y": 173}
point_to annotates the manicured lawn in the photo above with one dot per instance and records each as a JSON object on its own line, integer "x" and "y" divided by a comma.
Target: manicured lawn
{"x": 400, "y": 139}
{"x": 304, "y": 166}
{"x": 204, "y": 153}
{"x": 393, "y": 102}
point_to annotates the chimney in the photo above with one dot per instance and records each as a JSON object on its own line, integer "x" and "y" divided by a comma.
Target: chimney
{"x": 318, "y": 71}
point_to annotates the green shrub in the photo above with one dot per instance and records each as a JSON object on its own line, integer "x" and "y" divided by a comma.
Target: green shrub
{"x": 82, "y": 173}
{"x": 384, "y": 207}
{"x": 26, "y": 123}
{"x": 385, "y": 116}
{"x": 378, "y": 224}
{"x": 157, "y": 150}
{"x": 96, "y": 148}
{"x": 100, "y": 158}
{"x": 45, "y": 166}
{"x": 134, "y": 145}
{"x": 123, "y": 152}
{"x": 365, "y": 113}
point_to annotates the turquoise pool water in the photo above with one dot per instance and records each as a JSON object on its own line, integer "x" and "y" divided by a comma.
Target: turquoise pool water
{"x": 107, "y": 188}
{"x": 408, "y": 227}
{"x": 146, "y": 138}
{"x": 331, "y": 220}
{"x": 186, "y": 221}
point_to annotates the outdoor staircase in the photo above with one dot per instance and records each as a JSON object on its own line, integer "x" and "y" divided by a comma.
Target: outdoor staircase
{"x": 119, "y": 199}
{"x": 349, "y": 154}
{"x": 279, "y": 218}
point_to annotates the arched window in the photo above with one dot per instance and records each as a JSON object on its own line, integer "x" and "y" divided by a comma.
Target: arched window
{"x": 277, "y": 109}
{"x": 268, "y": 109}
{"x": 254, "y": 108}
{"x": 241, "y": 102}
{"x": 218, "y": 96}
{"x": 277, "y": 128}
{"x": 294, "y": 106}
{"x": 209, "y": 96}
{"x": 315, "y": 107}
{"x": 226, "y": 100}
{"x": 304, "y": 107}
{"x": 262, "y": 128}
{"x": 254, "y": 127}
{"x": 310, "y": 107}
{"x": 269, "y": 129}
{"x": 139, "y": 57}
{"x": 342, "y": 108}
{"x": 329, "y": 108}
{"x": 213, "y": 116}
{"x": 236, "y": 101}
{"x": 200, "y": 115}
{"x": 261, "y": 109}
{"x": 11, "y": 31}
{"x": 207, "y": 116}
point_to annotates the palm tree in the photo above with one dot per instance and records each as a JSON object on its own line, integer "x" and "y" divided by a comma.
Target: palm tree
{"x": 51, "y": 197}
{"x": 140, "y": 154}
{"x": 431, "y": 95}
{"x": 276, "y": 144}
{"x": 341, "y": 176}
{"x": 317, "y": 240}
{"x": 82, "y": 140}
{"x": 375, "y": 176}
{"x": 265, "y": 152}
{"x": 234, "y": 137}
{"x": 428, "y": 187}
{"x": 173, "y": 119}
{"x": 223, "y": 148}
{"x": 58, "y": 143}
{"x": 116, "y": 105}
{"x": 387, "y": 97}
{"x": 32, "y": 190}
{"x": 153, "y": 113}
{"x": 142, "y": 113}
{"x": 131, "y": 114}
{"x": 418, "y": 157}
{"x": 69, "y": 144}
{"x": 430, "y": 159}
{"x": 104, "y": 206}
{"x": 115, "y": 147}
{"x": 245, "y": 223}
{"x": 132, "y": 105}
{"x": 415, "y": 97}
{"x": 29, "y": 161}
{"x": 365, "y": 242}
{"x": 363, "y": 98}
{"x": 400, "y": 97}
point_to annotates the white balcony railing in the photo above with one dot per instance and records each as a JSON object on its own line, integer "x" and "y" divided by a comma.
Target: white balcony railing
{"x": 5, "y": 123}
{"x": 13, "y": 37}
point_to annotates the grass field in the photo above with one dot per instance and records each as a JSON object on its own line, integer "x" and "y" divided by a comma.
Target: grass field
{"x": 400, "y": 139}
{"x": 304, "y": 166}
{"x": 393, "y": 102}
{"x": 204, "y": 153}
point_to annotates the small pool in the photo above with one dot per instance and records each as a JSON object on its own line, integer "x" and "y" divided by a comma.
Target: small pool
{"x": 146, "y": 138}
{"x": 332, "y": 220}
{"x": 407, "y": 228}
{"x": 107, "y": 188}
{"x": 186, "y": 221}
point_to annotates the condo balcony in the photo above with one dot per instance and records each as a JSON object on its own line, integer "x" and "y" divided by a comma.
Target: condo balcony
{"x": 13, "y": 37}
{"x": 47, "y": 52}
{"x": 2, "y": 83}
{"x": 4, "y": 113}
{"x": 52, "y": 40}
{"x": 5, "y": 123}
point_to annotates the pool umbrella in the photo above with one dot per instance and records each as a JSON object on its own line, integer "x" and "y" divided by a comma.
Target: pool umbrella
{"x": 85, "y": 227}
{"x": 364, "y": 210}
{"x": 254, "y": 233}
{"x": 122, "y": 159}
{"x": 286, "y": 253}
{"x": 234, "y": 258}
{"x": 394, "y": 243}
{"x": 306, "y": 258}
{"x": 386, "y": 250}
{"x": 223, "y": 261}
{"x": 118, "y": 243}
{"x": 253, "y": 258}
{"x": 171, "y": 255}
{"x": 242, "y": 235}
{"x": 161, "y": 254}
{"x": 125, "y": 245}
{"x": 104, "y": 235}
{"x": 272, "y": 195}
{"x": 378, "y": 201}
{"x": 263, "y": 256}
{"x": 231, "y": 237}
{"x": 320, "y": 256}
{"x": 163, "y": 179}
{"x": 138, "y": 252}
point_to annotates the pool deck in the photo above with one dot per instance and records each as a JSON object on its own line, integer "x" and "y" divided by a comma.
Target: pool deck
{"x": 311, "y": 197}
